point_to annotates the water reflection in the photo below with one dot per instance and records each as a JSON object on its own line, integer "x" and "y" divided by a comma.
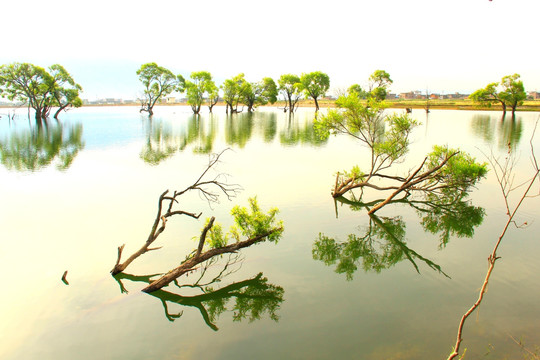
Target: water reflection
{"x": 383, "y": 241}
{"x": 200, "y": 132}
{"x": 36, "y": 148}
{"x": 502, "y": 131}
{"x": 303, "y": 133}
{"x": 162, "y": 143}
{"x": 250, "y": 299}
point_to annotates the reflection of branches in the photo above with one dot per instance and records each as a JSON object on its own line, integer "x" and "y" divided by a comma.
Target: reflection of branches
{"x": 505, "y": 177}
{"x": 208, "y": 189}
{"x": 446, "y": 215}
{"x": 382, "y": 246}
{"x": 37, "y": 148}
{"x": 253, "y": 298}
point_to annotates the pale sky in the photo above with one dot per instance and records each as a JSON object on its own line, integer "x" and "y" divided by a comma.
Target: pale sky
{"x": 442, "y": 46}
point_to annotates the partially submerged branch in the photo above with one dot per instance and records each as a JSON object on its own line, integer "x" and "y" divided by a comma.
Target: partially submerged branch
{"x": 206, "y": 188}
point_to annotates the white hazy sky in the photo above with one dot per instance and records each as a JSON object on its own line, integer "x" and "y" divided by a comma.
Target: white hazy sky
{"x": 444, "y": 46}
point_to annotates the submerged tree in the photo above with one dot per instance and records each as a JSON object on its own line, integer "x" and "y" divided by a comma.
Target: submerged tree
{"x": 315, "y": 85}
{"x": 510, "y": 92}
{"x": 232, "y": 92}
{"x": 65, "y": 90}
{"x": 158, "y": 82}
{"x": 387, "y": 138}
{"x": 252, "y": 227}
{"x": 39, "y": 89}
{"x": 259, "y": 93}
{"x": 196, "y": 89}
{"x": 291, "y": 89}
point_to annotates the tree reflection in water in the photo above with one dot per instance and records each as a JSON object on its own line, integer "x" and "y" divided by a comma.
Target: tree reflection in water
{"x": 37, "y": 148}
{"x": 502, "y": 131}
{"x": 250, "y": 299}
{"x": 383, "y": 242}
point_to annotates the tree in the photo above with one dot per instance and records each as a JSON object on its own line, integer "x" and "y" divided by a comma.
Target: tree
{"x": 213, "y": 95}
{"x": 488, "y": 96}
{"x": 260, "y": 93}
{"x": 39, "y": 89}
{"x": 232, "y": 92}
{"x": 158, "y": 82}
{"x": 379, "y": 82}
{"x": 202, "y": 84}
{"x": 513, "y": 92}
{"x": 357, "y": 89}
{"x": 290, "y": 87}
{"x": 315, "y": 85}
{"x": 387, "y": 138}
{"x": 65, "y": 90}
{"x": 510, "y": 92}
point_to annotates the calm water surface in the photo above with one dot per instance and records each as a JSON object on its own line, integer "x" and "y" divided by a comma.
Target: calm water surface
{"x": 73, "y": 193}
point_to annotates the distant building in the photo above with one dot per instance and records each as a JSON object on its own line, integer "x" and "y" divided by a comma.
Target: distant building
{"x": 534, "y": 95}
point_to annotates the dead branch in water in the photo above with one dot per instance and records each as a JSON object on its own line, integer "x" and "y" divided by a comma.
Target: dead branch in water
{"x": 505, "y": 178}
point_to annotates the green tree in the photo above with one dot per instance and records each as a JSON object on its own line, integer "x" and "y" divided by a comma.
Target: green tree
{"x": 65, "y": 90}
{"x": 196, "y": 89}
{"x": 260, "y": 93}
{"x": 315, "y": 85}
{"x": 213, "y": 95}
{"x": 40, "y": 89}
{"x": 379, "y": 82}
{"x": 513, "y": 92}
{"x": 158, "y": 82}
{"x": 488, "y": 96}
{"x": 357, "y": 89}
{"x": 29, "y": 84}
{"x": 510, "y": 92}
{"x": 232, "y": 92}
{"x": 290, "y": 87}
{"x": 387, "y": 138}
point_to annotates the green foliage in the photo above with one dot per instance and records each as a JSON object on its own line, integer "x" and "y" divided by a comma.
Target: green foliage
{"x": 357, "y": 89}
{"x": 39, "y": 147}
{"x": 196, "y": 89}
{"x": 509, "y": 92}
{"x": 379, "y": 82}
{"x": 260, "y": 93}
{"x": 460, "y": 172}
{"x": 315, "y": 85}
{"x": 291, "y": 88}
{"x": 216, "y": 238}
{"x": 253, "y": 222}
{"x": 232, "y": 91}
{"x": 38, "y": 88}
{"x": 158, "y": 82}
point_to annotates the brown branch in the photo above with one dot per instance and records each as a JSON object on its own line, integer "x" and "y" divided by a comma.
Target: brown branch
{"x": 189, "y": 264}
{"x": 200, "y": 185}
{"x": 493, "y": 256}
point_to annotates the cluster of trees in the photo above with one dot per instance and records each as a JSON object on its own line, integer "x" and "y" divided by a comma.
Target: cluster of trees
{"x": 41, "y": 89}
{"x": 510, "y": 92}
{"x": 200, "y": 88}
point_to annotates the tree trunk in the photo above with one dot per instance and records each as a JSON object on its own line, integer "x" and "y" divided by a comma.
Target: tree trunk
{"x": 316, "y": 104}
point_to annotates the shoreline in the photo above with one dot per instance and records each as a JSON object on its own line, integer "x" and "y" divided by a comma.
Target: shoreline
{"x": 529, "y": 105}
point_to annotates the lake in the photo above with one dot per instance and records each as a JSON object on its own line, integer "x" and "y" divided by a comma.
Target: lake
{"x": 73, "y": 194}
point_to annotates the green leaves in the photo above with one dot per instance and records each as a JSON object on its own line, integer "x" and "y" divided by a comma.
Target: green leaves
{"x": 249, "y": 223}
{"x": 253, "y": 222}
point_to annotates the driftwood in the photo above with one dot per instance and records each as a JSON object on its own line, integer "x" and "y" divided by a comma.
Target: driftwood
{"x": 206, "y": 189}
